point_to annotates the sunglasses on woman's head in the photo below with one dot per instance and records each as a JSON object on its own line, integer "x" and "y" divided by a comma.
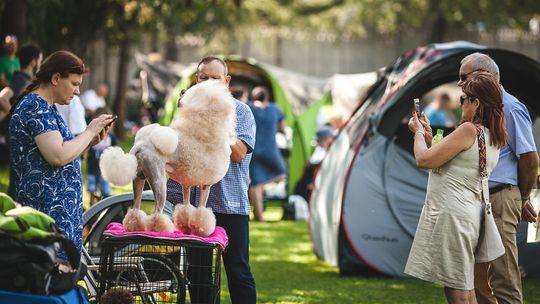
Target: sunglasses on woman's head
{"x": 79, "y": 69}
{"x": 462, "y": 98}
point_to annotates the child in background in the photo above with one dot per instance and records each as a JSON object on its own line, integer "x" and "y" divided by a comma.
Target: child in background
{"x": 324, "y": 137}
{"x": 93, "y": 176}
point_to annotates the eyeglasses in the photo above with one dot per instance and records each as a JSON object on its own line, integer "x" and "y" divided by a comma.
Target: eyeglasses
{"x": 462, "y": 98}
{"x": 463, "y": 77}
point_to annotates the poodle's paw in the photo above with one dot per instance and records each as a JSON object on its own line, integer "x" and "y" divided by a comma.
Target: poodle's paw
{"x": 181, "y": 216}
{"x": 135, "y": 220}
{"x": 159, "y": 222}
{"x": 202, "y": 222}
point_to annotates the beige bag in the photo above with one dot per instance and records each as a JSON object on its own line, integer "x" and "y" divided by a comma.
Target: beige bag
{"x": 490, "y": 245}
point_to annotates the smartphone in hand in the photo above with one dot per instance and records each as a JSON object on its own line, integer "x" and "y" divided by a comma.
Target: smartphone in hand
{"x": 417, "y": 106}
{"x": 115, "y": 117}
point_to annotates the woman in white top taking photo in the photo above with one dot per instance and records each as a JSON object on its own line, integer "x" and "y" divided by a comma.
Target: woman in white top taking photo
{"x": 447, "y": 234}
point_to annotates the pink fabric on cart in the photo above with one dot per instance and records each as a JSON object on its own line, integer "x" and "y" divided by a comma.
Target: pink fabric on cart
{"x": 218, "y": 237}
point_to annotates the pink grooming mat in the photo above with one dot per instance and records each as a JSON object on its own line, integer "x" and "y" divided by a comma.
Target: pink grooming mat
{"x": 218, "y": 237}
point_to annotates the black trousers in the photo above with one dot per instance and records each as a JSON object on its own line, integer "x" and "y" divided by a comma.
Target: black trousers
{"x": 235, "y": 260}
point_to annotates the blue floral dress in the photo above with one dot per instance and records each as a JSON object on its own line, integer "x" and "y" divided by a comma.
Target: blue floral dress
{"x": 56, "y": 191}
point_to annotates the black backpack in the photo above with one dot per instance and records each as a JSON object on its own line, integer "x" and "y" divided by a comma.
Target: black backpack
{"x": 29, "y": 242}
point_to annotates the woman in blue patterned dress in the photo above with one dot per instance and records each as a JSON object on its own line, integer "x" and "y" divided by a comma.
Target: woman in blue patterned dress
{"x": 267, "y": 164}
{"x": 44, "y": 153}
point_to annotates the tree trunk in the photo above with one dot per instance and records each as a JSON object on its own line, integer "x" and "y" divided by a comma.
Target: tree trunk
{"x": 171, "y": 50}
{"x": 154, "y": 40}
{"x": 14, "y": 19}
{"x": 121, "y": 86}
{"x": 106, "y": 64}
{"x": 279, "y": 51}
{"x": 436, "y": 23}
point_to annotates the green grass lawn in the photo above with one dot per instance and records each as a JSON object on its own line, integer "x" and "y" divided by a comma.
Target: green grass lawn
{"x": 287, "y": 271}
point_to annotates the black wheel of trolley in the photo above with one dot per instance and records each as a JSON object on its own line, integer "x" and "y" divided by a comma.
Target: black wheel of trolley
{"x": 157, "y": 268}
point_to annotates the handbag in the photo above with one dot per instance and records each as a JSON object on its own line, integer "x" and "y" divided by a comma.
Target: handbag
{"x": 490, "y": 245}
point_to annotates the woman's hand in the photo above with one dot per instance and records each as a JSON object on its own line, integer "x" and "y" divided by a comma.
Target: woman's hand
{"x": 99, "y": 127}
{"x": 414, "y": 124}
{"x": 429, "y": 132}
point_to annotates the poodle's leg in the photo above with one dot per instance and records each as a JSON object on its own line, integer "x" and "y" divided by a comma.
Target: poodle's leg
{"x": 183, "y": 212}
{"x": 205, "y": 192}
{"x": 158, "y": 182}
{"x": 138, "y": 186}
{"x": 135, "y": 219}
{"x": 203, "y": 221}
{"x": 186, "y": 194}
{"x": 155, "y": 174}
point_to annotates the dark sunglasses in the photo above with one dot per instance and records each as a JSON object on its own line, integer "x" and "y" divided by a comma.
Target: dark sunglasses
{"x": 463, "y": 77}
{"x": 462, "y": 98}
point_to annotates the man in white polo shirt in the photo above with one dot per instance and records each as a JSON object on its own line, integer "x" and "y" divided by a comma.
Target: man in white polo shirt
{"x": 94, "y": 99}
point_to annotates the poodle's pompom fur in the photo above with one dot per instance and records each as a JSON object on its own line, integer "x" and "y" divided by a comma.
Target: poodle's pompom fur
{"x": 135, "y": 220}
{"x": 159, "y": 222}
{"x": 117, "y": 167}
{"x": 182, "y": 214}
{"x": 145, "y": 131}
{"x": 202, "y": 222}
{"x": 164, "y": 139}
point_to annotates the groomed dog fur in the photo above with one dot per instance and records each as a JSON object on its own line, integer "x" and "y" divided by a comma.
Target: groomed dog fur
{"x": 197, "y": 148}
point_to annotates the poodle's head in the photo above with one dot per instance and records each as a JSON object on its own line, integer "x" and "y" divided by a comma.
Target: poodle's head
{"x": 209, "y": 95}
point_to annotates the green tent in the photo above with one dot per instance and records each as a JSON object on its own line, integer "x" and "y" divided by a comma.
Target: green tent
{"x": 299, "y": 96}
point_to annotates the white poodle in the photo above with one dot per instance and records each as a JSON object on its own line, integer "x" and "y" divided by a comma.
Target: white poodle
{"x": 195, "y": 150}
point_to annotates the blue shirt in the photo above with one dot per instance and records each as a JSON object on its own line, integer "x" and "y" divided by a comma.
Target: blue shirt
{"x": 228, "y": 196}
{"x": 56, "y": 191}
{"x": 520, "y": 141}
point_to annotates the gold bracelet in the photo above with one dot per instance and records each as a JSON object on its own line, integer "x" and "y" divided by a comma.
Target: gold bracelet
{"x": 421, "y": 132}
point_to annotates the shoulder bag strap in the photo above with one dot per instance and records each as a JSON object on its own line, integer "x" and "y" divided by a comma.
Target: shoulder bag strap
{"x": 481, "y": 151}
{"x": 482, "y": 163}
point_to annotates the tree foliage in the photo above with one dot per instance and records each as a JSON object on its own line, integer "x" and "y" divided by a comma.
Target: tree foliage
{"x": 222, "y": 24}
{"x": 57, "y": 24}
